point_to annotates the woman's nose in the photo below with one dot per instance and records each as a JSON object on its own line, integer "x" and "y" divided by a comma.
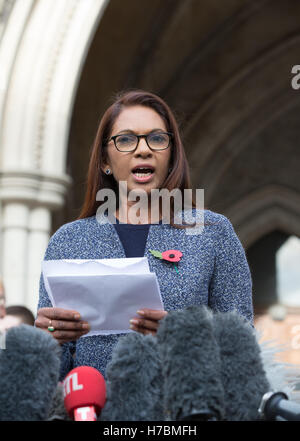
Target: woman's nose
{"x": 143, "y": 147}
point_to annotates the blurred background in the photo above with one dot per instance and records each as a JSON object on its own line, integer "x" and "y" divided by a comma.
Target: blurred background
{"x": 225, "y": 69}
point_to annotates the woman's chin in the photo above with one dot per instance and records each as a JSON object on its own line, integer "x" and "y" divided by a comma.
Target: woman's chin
{"x": 146, "y": 187}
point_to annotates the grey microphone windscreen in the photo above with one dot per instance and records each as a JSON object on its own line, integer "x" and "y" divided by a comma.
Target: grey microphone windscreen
{"x": 191, "y": 365}
{"x": 243, "y": 376}
{"x": 58, "y": 411}
{"x": 29, "y": 373}
{"x": 134, "y": 381}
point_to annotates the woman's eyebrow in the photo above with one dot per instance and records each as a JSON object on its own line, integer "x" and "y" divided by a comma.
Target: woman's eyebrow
{"x": 131, "y": 131}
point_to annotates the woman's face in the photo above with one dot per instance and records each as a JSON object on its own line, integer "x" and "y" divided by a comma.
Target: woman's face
{"x": 139, "y": 120}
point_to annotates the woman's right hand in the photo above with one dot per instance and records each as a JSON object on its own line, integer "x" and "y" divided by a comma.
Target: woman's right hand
{"x": 66, "y": 323}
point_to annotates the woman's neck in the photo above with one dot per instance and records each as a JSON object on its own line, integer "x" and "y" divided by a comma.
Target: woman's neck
{"x": 125, "y": 215}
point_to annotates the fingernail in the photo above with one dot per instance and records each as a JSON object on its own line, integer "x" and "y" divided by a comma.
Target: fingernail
{"x": 140, "y": 312}
{"x": 76, "y": 316}
{"x": 134, "y": 321}
{"x": 86, "y": 326}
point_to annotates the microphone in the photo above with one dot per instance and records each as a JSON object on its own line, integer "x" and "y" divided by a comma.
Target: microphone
{"x": 134, "y": 381}
{"x": 29, "y": 373}
{"x": 242, "y": 372}
{"x": 84, "y": 393}
{"x": 275, "y": 406}
{"x": 187, "y": 341}
{"x": 58, "y": 411}
{"x": 191, "y": 365}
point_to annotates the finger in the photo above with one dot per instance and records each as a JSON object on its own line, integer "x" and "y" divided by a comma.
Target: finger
{"x": 43, "y": 322}
{"x": 152, "y": 314}
{"x": 66, "y": 336}
{"x": 59, "y": 314}
{"x": 146, "y": 324}
{"x": 61, "y": 325}
{"x": 62, "y": 341}
{"x": 142, "y": 330}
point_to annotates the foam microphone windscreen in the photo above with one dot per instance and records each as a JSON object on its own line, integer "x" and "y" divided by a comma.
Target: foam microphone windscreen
{"x": 58, "y": 411}
{"x": 84, "y": 387}
{"x": 242, "y": 373}
{"x": 191, "y": 365}
{"x": 134, "y": 381}
{"x": 29, "y": 373}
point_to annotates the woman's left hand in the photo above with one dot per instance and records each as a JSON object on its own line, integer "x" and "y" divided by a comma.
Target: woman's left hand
{"x": 148, "y": 321}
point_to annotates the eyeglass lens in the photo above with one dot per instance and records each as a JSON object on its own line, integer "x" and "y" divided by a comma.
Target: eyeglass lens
{"x": 154, "y": 140}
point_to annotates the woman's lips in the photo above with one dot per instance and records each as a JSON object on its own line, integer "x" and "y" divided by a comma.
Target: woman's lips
{"x": 139, "y": 178}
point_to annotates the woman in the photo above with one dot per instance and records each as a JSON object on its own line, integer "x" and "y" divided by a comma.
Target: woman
{"x": 138, "y": 143}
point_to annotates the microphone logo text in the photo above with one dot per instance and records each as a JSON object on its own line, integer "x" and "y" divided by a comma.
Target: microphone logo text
{"x": 71, "y": 384}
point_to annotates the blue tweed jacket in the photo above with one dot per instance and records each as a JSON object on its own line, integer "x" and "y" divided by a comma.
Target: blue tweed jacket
{"x": 213, "y": 271}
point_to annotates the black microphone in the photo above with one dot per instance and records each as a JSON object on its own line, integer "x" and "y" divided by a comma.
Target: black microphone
{"x": 191, "y": 365}
{"x": 134, "y": 381}
{"x": 275, "y": 406}
{"x": 29, "y": 374}
{"x": 242, "y": 372}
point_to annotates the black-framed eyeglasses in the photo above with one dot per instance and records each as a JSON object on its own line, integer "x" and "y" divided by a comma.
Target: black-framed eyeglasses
{"x": 128, "y": 142}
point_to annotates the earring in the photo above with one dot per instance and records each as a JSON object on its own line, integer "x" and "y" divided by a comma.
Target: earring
{"x": 107, "y": 171}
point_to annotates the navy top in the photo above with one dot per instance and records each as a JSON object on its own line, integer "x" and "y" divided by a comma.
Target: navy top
{"x": 133, "y": 237}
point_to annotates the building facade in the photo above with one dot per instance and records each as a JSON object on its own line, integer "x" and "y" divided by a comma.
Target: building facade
{"x": 225, "y": 68}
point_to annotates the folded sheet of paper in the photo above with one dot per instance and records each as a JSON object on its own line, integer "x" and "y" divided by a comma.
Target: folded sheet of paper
{"x": 107, "y": 293}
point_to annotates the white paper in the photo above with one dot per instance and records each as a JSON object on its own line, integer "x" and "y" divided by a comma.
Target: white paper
{"x": 107, "y": 293}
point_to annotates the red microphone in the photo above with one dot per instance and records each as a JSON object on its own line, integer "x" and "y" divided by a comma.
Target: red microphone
{"x": 84, "y": 393}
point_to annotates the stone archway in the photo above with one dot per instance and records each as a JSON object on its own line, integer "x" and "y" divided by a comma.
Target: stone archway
{"x": 225, "y": 69}
{"x": 264, "y": 220}
{"x": 270, "y": 208}
{"x": 42, "y": 51}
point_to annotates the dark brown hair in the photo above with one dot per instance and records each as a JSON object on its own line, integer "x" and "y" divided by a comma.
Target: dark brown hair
{"x": 179, "y": 177}
{"x": 21, "y": 312}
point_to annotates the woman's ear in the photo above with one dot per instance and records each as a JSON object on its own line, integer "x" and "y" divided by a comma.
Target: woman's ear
{"x": 105, "y": 165}
{"x": 106, "y": 169}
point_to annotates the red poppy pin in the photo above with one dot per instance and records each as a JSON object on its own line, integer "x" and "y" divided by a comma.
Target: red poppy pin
{"x": 169, "y": 255}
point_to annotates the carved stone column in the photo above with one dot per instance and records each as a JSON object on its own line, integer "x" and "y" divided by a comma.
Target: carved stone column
{"x": 43, "y": 46}
{"x": 28, "y": 200}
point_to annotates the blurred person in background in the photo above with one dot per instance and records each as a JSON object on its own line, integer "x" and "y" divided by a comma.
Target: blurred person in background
{"x": 15, "y": 316}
